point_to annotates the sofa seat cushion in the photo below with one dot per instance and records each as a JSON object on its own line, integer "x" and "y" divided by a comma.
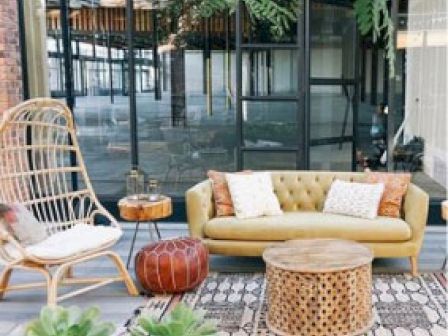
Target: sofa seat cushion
{"x": 79, "y": 239}
{"x": 296, "y": 225}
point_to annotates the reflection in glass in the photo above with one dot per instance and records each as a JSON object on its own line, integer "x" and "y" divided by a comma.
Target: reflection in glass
{"x": 270, "y": 124}
{"x": 335, "y": 157}
{"x": 101, "y": 108}
{"x": 269, "y": 160}
{"x": 331, "y": 111}
{"x": 189, "y": 127}
{"x": 333, "y": 32}
{"x": 331, "y": 126}
{"x": 270, "y": 72}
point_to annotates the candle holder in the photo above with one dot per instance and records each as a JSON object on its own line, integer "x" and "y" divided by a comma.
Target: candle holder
{"x": 135, "y": 182}
{"x": 153, "y": 190}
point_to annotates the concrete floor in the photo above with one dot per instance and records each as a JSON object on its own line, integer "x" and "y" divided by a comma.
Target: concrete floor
{"x": 19, "y": 307}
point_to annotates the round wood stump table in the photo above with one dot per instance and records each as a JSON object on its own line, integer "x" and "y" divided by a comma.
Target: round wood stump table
{"x": 138, "y": 208}
{"x": 319, "y": 287}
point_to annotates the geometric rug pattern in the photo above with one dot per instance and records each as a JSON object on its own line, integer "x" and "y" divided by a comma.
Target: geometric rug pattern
{"x": 402, "y": 305}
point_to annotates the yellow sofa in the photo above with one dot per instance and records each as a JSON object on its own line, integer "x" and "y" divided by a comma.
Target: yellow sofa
{"x": 301, "y": 195}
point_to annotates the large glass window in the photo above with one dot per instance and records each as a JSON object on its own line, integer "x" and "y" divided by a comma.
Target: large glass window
{"x": 332, "y": 39}
{"x": 186, "y": 90}
{"x": 269, "y": 124}
{"x": 186, "y": 117}
{"x": 101, "y": 107}
{"x": 270, "y": 72}
{"x": 332, "y": 90}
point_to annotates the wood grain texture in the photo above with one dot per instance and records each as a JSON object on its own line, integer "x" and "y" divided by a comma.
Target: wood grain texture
{"x": 317, "y": 255}
{"x": 319, "y": 287}
{"x": 143, "y": 210}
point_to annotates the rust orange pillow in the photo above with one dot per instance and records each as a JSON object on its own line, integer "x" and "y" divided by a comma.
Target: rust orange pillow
{"x": 221, "y": 193}
{"x": 395, "y": 187}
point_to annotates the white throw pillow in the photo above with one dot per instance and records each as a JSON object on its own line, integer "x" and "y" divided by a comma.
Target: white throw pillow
{"x": 253, "y": 195}
{"x": 354, "y": 199}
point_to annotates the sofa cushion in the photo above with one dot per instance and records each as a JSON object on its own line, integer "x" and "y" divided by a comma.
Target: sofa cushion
{"x": 253, "y": 195}
{"x": 395, "y": 187}
{"x": 296, "y": 225}
{"x": 354, "y": 199}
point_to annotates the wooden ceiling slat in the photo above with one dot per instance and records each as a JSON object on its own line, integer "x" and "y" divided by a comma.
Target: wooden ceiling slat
{"x": 114, "y": 19}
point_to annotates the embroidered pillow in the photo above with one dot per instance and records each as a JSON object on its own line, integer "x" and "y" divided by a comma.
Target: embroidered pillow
{"x": 25, "y": 227}
{"x": 354, "y": 199}
{"x": 395, "y": 187}
{"x": 253, "y": 195}
{"x": 221, "y": 194}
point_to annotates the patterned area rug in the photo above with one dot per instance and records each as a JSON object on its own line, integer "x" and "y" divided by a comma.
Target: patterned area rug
{"x": 402, "y": 305}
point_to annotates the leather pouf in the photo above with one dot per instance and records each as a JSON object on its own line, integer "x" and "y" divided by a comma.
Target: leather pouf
{"x": 172, "y": 266}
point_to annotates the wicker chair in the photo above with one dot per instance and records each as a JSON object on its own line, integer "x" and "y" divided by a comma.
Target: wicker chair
{"x": 39, "y": 156}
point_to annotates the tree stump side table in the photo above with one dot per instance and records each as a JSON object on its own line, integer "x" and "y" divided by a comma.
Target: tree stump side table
{"x": 319, "y": 287}
{"x": 135, "y": 209}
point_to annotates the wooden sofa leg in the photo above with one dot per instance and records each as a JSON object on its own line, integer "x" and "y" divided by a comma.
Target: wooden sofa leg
{"x": 414, "y": 266}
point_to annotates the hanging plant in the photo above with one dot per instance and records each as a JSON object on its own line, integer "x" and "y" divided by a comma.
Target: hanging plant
{"x": 372, "y": 17}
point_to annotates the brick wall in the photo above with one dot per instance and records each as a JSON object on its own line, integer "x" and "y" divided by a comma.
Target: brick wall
{"x": 10, "y": 70}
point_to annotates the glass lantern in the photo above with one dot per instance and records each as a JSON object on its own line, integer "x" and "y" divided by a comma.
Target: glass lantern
{"x": 153, "y": 190}
{"x": 135, "y": 182}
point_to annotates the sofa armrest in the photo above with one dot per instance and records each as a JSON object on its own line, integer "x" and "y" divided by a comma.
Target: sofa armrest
{"x": 416, "y": 206}
{"x": 200, "y": 208}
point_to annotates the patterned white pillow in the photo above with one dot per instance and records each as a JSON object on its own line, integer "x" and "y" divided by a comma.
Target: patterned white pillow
{"x": 253, "y": 195}
{"x": 354, "y": 199}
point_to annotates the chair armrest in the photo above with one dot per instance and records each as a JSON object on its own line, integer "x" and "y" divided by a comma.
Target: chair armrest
{"x": 99, "y": 210}
{"x": 5, "y": 236}
{"x": 416, "y": 207}
{"x": 200, "y": 208}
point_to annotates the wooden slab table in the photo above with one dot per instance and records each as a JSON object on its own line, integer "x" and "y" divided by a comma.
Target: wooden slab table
{"x": 141, "y": 209}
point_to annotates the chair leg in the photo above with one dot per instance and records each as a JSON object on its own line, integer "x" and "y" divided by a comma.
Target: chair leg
{"x": 69, "y": 272}
{"x": 4, "y": 280}
{"x": 124, "y": 273}
{"x": 414, "y": 266}
{"x": 52, "y": 284}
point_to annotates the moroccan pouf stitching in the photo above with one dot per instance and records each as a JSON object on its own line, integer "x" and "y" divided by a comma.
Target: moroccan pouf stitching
{"x": 172, "y": 266}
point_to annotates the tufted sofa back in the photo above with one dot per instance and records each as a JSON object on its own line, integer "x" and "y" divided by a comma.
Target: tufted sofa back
{"x": 307, "y": 190}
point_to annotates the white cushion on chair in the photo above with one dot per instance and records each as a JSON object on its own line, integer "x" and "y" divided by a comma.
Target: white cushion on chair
{"x": 76, "y": 240}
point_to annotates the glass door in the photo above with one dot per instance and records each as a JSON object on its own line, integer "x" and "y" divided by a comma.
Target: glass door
{"x": 270, "y": 101}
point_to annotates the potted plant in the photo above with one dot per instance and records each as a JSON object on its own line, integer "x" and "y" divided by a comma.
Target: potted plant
{"x": 59, "y": 321}
{"x": 182, "y": 321}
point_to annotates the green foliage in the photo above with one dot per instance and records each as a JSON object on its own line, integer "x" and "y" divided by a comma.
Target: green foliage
{"x": 279, "y": 17}
{"x": 208, "y": 8}
{"x": 182, "y": 321}
{"x": 72, "y": 321}
{"x": 373, "y": 17}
